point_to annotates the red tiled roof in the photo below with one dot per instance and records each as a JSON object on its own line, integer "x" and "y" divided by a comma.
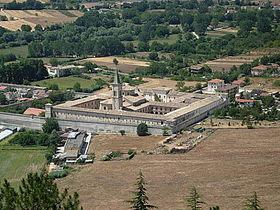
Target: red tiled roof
{"x": 260, "y": 68}
{"x": 240, "y": 100}
{"x": 34, "y": 111}
{"x": 238, "y": 82}
{"x": 216, "y": 80}
{"x": 3, "y": 87}
{"x": 23, "y": 99}
{"x": 264, "y": 94}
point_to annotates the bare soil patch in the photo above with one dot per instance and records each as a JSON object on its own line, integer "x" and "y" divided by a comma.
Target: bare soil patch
{"x": 226, "y": 168}
{"x": 124, "y": 65}
{"x": 157, "y": 83}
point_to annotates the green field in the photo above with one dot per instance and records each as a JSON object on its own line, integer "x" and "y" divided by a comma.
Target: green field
{"x": 170, "y": 39}
{"x": 21, "y": 51}
{"x": 65, "y": 82}
{"x": 16, "y": 162}
{"x": 47, "y": 60}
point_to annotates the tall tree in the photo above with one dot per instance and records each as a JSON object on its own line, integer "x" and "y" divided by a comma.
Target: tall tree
{"x": 194, "y": 200}
{"x": 36, "y": 192}
{"x": 253, "y": 203}
{"x": 50, "y": 125}
{"x": 140, "y": 201}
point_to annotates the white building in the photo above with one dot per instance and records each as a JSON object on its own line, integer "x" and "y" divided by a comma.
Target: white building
{"x": 214, "y": 84}
{"x": 60, "y": 71}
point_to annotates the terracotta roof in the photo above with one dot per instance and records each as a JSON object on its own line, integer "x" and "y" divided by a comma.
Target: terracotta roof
{"x": 238, "y": 82}
{"x": 216, "y": 80}
{"x": 264, "y": 94}
{"x": 3, "y": 87}
{"x": 260, "y": 68}
{"x": 240, "y": 100}
{"x": 23, "y": 99}
{"x": 33, "y": 111}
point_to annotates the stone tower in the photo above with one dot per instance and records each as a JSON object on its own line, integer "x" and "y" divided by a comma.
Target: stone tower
{"x": 117, "y": 98}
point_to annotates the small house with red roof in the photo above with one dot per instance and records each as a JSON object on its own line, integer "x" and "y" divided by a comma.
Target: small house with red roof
{"x": 239, "y": 83}
{"x": 258, "y": 70}
{"x": 214, "y": 84}
{"x": 33, "y": 111}
{"x": 4, "y": 88}
{"x": 229, "y": 89}
{"x": 244, "y": 102}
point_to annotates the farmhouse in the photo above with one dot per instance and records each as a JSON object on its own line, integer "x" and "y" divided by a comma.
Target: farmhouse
{"x": 258, "y": 70}
{"x": 118, "y": 110}
{"x": 60, "y": 71}
{"x": 229, "y": 89}
{"x": 214, "y": 84}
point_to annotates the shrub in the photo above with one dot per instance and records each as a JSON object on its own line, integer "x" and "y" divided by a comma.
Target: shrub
{"x": 142, "y": 129}
{"x": 58, "y": 174}
{"x": 122, "y": 132}
{"x": 50, "y": 125}
{"x": 131, "y": 151}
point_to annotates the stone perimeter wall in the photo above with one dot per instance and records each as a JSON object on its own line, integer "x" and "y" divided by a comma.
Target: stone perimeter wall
{"x": 34, "y": 122}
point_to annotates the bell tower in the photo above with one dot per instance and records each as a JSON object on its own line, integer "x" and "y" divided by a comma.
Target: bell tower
{"x": 117, "y": 98}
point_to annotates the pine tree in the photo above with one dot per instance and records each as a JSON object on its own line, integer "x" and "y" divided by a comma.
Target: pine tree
{"x": 252, "y": 203}
{"x": 194, "y": 200}
{"x": 140, "y": 201}
{"x": 36, "y": 192}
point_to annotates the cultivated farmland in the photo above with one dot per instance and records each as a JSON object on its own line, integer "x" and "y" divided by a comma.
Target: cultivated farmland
{"x": 34, "y": 17}
{"x": 226, "y": 63}
{"x": 226, "y": 168}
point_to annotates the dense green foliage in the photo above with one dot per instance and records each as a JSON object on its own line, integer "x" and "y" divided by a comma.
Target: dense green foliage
{"x": 142, "y": 129}
{"x": 28, "y": 4}
{"x": 25, "y": 70}
{"x": 3, "y": 99}
{"x": 257, "y": 111}
{"x": 50, "y": 125}
{"x": 6, "y": 58}
{"x": 60, "y": 96}
{"x": 37, "y": 191}
{"x": 30, "y": 138}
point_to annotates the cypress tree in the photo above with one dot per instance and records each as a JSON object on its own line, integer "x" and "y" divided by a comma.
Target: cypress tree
{"x": 253, "y": 203}
{"x": 140, "y": 200}
{"x": 194, "y": 200}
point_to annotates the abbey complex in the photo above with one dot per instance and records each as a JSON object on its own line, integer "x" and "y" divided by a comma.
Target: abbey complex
{"x": 125, "y": 107}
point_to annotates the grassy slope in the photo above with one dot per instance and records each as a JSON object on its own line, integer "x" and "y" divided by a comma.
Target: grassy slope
{"x": 65, "y": 82}
{"x": 18, "y": 51}
{"x": 16, "y": 161}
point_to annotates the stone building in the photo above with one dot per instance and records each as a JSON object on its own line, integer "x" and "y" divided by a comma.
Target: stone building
{"x": 126, "y": 107}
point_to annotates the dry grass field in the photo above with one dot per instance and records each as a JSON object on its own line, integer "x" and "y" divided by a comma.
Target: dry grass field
{"x": 34, "y": 17}
{"x": 157, "y": 83}
{"x": 226, "y": 63}
{"x": 124, "y": 65}
{"x": 263, "y": 83}
{"x": 225, "y": 168}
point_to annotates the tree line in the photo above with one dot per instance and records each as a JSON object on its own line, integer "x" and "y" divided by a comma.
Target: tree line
{"x": 27, "y": 70}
